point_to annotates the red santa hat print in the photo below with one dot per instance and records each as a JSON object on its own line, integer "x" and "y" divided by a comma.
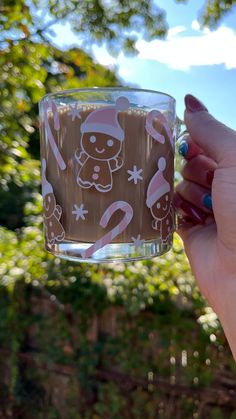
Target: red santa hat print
{"x": 105, "y": 120}
{"x": 158, "y": 185}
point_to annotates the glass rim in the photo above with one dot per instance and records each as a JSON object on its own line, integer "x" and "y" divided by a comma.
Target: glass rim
{"x": 114, "y": 88}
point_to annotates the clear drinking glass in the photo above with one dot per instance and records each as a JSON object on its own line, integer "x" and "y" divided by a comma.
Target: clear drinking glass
{"x": 107, "y": 173}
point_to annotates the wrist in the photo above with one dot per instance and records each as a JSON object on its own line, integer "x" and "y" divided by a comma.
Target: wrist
{"x": 228, "y": 324}
{"x": 226, "y": 312}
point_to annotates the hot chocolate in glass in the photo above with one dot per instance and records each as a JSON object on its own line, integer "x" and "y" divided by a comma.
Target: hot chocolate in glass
{"x": 107, "y": 173}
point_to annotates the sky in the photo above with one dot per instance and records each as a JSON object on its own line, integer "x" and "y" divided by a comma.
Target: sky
{"x": 189, "y": 60}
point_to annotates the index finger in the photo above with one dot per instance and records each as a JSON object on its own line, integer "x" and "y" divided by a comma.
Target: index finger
{"x": 188, "y": 148}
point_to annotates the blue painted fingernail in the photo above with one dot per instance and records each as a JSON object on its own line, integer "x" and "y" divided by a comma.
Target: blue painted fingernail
{"x": 183, "y": 148}
{"x": 207, "y": 201}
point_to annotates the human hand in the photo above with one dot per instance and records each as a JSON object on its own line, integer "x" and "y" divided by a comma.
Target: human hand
{"x": 206, "y": 198}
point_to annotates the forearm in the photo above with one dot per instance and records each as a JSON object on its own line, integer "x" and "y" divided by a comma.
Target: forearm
{"x": 225, "y": 308}
{"x": 228, "y": 322}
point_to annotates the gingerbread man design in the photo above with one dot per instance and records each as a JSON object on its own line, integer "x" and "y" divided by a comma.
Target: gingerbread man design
{"x": 54, "y": 231}
{"x": 101, "y": 144}
{"x": 159, "y": 202}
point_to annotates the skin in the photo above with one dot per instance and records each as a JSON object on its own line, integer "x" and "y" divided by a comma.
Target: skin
{"x": 161, "y": 208}
{"x": 101, "y": 146}
{"x": 215, "y": 149}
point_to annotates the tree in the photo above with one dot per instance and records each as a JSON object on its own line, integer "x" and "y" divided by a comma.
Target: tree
{"x": 98, "y": 20}
{"x": 29, "y": 71}
{"x": 31, "y": 66}
{"x": 215, "y": 10}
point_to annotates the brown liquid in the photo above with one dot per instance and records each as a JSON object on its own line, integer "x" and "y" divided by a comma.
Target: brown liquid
{"x": 138, "y": 149}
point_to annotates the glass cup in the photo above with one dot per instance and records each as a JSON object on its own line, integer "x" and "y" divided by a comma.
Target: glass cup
{"x": 107, "y": 173}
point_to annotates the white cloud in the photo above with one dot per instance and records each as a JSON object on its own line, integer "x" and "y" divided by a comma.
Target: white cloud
{"x": 103, "y": 56}
{"x": 125, "y": 71}
{"x": 172, "y": 32}
{"x": 195, "y": 25}
{"x": 182, "y": 52}
{"x": 199, "y": 47}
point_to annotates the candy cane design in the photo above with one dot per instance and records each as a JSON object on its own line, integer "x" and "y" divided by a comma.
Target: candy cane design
{"x": 107, "y": 238}
{"x": 151, "y": 130}
{"x": 55, "y": 115}
{"x": 50, "y": 137}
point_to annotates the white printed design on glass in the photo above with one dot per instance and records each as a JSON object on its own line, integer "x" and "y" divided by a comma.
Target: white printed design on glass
{"x": 154, "y": 114}
{"x": 54, "y": 230}
{"x": 79, "y": 211}
{"x": 51, "y": 105}
{"x": 118, "y": 229}
{"x": 100, "y": 147}
{"x": 135, "y": 174}
{"x": 159, "y": 202}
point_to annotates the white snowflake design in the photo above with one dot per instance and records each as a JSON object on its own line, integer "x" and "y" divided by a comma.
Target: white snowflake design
{"x": 79, "y": 212}
{"x": 137, "y": 241}
{"x": 135, "y": 174}
{"x": 74, "y": 112}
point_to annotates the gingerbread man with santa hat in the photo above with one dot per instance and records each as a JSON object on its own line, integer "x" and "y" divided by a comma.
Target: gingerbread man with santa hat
{"x": 101, "y": 143}
{"x": 54, "y": 230}
{"x": 159, "y": 202}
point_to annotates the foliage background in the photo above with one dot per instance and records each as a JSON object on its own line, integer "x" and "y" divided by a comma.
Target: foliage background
{"x": 132, "y": 340}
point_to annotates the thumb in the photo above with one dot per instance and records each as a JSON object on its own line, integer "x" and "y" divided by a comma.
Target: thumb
{"x": 216, "y": 139}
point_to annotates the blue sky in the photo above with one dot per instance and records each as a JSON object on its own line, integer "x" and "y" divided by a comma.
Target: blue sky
{"x": 190, "y": 60}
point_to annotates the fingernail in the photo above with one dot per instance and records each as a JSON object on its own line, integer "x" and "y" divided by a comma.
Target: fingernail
{"x": 193, "y": 104}
{"x": 183, "y": 148}
{"x": 207, "y": 201}
{"x": 187, "y": 209}
{"x": 209, "y": 177}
